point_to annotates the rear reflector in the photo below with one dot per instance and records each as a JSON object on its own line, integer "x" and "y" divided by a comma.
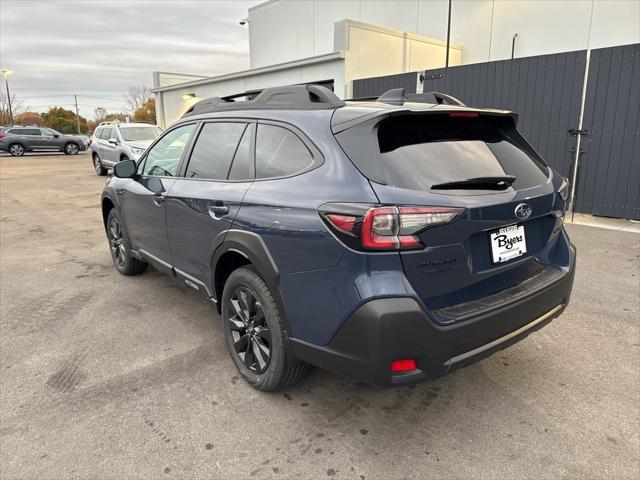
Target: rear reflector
{"x": 407, "y": 365}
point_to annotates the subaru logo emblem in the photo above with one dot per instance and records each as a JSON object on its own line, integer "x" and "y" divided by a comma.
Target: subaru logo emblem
{"x": 523, "y": 211}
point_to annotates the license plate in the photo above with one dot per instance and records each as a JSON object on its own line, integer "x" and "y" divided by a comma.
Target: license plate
{"x": 507, "y": 243}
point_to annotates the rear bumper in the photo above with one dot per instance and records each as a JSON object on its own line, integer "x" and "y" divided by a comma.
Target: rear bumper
{"x": 388, "y": 329}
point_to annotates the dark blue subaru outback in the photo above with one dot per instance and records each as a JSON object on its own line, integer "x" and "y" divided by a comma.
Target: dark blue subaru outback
{"x": 391, "y": 240}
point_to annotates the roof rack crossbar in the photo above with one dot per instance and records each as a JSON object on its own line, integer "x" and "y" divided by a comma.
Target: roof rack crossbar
{"x": 289, "y": 97}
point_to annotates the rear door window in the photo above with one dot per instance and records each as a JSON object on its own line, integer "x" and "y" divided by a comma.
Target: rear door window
{"x": 106, "y": 134}
{"x": 25, "y": 131}
{"x": 214, "y": 150}
{"x": 418, "y": 152}
{"x": 280, "y": 153}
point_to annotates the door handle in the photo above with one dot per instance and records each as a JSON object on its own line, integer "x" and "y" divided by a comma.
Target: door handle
{"x": 158, "y": 199}
{"x": 218, "y": 211}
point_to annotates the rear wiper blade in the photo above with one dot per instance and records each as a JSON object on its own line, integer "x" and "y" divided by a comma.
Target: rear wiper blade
{"x": 478, "y": 183}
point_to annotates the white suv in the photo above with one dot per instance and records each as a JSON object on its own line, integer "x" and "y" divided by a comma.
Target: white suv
{"x": 113, "y": 142}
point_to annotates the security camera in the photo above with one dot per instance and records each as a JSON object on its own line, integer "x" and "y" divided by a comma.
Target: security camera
{"x": 244, "y": 21}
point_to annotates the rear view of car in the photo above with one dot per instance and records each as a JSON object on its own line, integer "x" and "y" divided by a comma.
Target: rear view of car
{"x": 391, "y": 241}
{"x": 476, "y": 216}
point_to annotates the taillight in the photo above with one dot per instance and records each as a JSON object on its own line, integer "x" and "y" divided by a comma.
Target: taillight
{"x": 1, "y": 135}
{"x": 367, "y": 227}
{"x": 344, "y": 223}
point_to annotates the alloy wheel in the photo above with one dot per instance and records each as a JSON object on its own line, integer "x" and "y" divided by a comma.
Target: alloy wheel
{"x": 72, "y": 149}
{"x": 249, "y": 330}
{"x": 97, "y": 165}
{"x": 116, "y": 242}
{"x": 16, "y": 150}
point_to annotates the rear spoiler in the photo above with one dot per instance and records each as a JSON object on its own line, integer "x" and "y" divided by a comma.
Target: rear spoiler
{"x": 339, "y": 124}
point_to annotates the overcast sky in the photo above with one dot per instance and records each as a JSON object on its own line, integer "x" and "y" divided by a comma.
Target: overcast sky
{"x": 97, "y": 49}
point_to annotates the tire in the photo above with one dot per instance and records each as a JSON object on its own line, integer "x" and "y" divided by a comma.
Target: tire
{"x": 71, "y": 148}
{"x": 120, "y": 249}
{"x": 259, "y": 331}
{"x": 16, "y": 149}
{"x": 97, "y": 165}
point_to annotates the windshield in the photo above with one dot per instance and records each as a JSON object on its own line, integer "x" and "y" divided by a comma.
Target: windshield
{"x": 134, "y": 134}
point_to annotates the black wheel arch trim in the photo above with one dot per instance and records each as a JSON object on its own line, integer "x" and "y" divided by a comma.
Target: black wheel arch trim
{"x": 251, "y": 246}
{"x": 114, "y": 201}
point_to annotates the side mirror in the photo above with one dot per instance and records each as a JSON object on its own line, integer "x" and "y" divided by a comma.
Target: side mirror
{"x": 125, "y": 169}
{"x": 114, "y": 141}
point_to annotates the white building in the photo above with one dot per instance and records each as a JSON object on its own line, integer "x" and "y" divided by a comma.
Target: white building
{"x": 338, "y": 41}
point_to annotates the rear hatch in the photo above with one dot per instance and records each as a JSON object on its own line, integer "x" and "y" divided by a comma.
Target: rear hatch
{"x": 471, "y": 160}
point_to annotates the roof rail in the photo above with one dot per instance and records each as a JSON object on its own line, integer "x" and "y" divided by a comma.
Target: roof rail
{"x": 289, "y": 97}
{"x": 397, "y": 96}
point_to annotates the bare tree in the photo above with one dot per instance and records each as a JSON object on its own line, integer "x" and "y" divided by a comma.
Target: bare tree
{"x": 136, "y": 97}
{"x": 100, "y": 114}
{"x": 17, "y": 106}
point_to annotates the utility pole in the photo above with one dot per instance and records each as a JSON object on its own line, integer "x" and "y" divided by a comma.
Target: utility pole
{"x": 5, "y": 74}
{"x": 446, "y": 62}
{"x": 75, "y": 98}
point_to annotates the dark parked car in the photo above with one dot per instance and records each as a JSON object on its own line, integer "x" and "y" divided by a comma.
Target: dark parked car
{"x": 17, "y": 140}
{"x": 393, "y": 240}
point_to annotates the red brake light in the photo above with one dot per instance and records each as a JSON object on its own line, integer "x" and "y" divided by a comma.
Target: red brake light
{"x": 379, "y": 227}
{"x": 364, "y": 227}
{"x": 464, "y": 114}
{"x": 1, "y": 135}
{"x": 395, "y": 227}
{"x": 407, "y": 365}
{"x": 346, "y": 223}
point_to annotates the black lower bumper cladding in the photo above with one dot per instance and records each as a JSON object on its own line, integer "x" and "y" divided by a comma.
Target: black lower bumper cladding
{"x": 388, "y": 329}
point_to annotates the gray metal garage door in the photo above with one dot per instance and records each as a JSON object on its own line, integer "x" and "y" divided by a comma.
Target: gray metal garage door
{"x": 545, "y": 91}
{"x": 609, "y": 170}
{"x": 376, "y": 86}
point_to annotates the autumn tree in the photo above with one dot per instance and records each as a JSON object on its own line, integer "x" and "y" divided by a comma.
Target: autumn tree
{"x": 28, "y": 118}
{"x": 63, "y": 120}
{"x": 146, "y": 112}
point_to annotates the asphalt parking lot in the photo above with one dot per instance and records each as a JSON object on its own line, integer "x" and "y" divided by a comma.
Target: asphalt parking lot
{"x": 104, "y": 376}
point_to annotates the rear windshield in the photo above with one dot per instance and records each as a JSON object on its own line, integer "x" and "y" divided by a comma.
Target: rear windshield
{"x": 418, "y": 152}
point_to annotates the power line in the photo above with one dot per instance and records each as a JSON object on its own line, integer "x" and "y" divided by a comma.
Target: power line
{"x": 72, "y": 94}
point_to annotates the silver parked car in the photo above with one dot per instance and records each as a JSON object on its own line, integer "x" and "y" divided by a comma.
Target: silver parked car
{"x": 113, "y": 142}
{"x": 20, "y": 139}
